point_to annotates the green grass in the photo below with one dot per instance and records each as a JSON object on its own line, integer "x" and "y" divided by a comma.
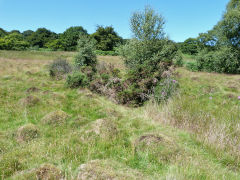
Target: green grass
{"x": 199, "y": 134}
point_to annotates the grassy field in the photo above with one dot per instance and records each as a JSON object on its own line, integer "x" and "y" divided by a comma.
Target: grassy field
{"x": 48, "y": 131}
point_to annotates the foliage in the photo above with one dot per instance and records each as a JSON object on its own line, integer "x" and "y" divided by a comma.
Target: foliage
{"x": 2, "y": 32}
{"x": 189, "y": 46}
{"x": 86, "y": 52}
{"x": 207, "y": 41}
{"x": 59, "y": 67}
{"x": 228, "y": 28}
{"x": 13, "y": 41}
{"x": 220, "y": 46}
{"x": 225, "y": 60}
{"x": 70, "y": 37}
{"x": 27, "y": 33}
{"x": 106, "y": 38}
{"x": 77, "y": 79}
{"x": 106, "y": 53}
{"x": 41, "y": 37}
{"x": 147, "y": 56}
{"x": 147, "y": 25}
{"x": 56, "y": 44}
{"x": 192, "y": 66}
{"x": 178, "y": 59}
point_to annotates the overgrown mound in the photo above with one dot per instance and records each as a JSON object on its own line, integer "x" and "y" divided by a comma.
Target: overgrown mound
{"x": 55, "y": 118}
{"x": 27, "y": 133}
{"x": 29, "y": 101}
{"x": 106, "y": 169}
{"x": 9, "y": 165}
{"x": 161, "y": 147}
{"x": 44, "y": 172}
{"x": 59, "y": 68}
{"x": 48, "y": 171}
{"x": 104, "y": 128}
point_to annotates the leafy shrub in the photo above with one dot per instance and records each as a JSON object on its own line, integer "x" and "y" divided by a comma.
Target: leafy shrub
{"x": 147, "y": 57}
{"x": 59, "y": 67}
{"x": 13, "y": 41}
{"x": 178, "y": 60}
{"x": 86, "y": 55}
{"x": 77, "y": 79}
{"x": 225, "y": 60}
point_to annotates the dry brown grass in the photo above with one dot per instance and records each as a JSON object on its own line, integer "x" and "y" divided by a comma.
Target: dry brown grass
{"x": 115, "y": 60}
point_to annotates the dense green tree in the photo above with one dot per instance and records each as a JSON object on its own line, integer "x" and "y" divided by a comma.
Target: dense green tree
{"x": 56, "y": 44}
{"x": 207, "y": 41}
{"x": 106, "y": 38}
{"x": 13, "y": 41}
{"x": 27, "y": 33}
{"x": 15, "y": 31}
{"x": 41, "y": 37}
{"x": 189, "y": 46}
{"x": 70, "y": 37}
{"x": 150, "y": 46}
{"x": 229, "y": 26}
{"x": 223, "y": 43}
{"x": 3, "y": 32}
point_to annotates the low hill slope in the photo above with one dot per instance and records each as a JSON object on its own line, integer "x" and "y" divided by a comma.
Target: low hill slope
{"x": 48, "y": 131}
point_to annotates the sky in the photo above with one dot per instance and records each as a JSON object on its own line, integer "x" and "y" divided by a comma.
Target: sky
{"x": 184, "y": 18}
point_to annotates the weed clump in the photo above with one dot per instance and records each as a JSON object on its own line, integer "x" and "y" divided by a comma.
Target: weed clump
{"x": 44, "y": 172}
{"x": 58, "y": 68}
{"x": 8, "y": 166}
{"x": 106, "y": 169}
{"x": 55, "y": 118}
{"x": 159, "y": 147}
{"x": 77, "y": 79}
{"x": 27, "y": 133}
{"x": 104, "y": 128}
{"x": 29, "y": 101}
{"x": 48, "y": 171}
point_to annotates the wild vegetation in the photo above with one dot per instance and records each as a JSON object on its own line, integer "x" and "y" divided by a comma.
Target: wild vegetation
{"x": 43, "y": 39}
{"x": 140, "y": 115}
{"x": 218, "y": 49}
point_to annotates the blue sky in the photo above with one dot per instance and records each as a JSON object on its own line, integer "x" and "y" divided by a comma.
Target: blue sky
{"x": 184, "y": 18}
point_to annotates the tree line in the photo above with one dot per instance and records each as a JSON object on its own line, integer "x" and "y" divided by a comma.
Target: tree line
{"x": 218, "y": 50}
{"x": 106, "y": 39}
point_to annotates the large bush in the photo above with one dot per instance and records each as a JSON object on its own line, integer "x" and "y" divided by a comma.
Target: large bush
{"x": 13, "y": 41}
{"x": 59, "y": 67}
{"x": 77, "y": 79}
{"x": 147, "y": 56}
{"x": 225, "y": 60}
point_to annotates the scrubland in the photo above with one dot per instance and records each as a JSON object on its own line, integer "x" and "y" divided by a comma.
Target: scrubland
{"x": 48, "y": 131}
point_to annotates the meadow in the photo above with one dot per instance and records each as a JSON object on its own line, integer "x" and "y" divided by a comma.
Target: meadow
{"x": 49, "y": 131}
